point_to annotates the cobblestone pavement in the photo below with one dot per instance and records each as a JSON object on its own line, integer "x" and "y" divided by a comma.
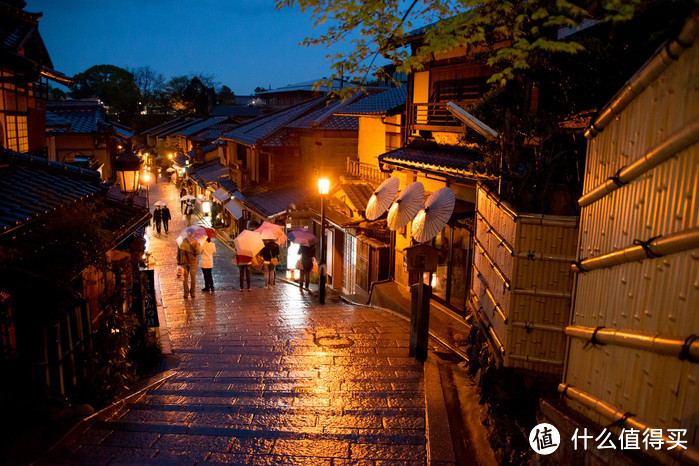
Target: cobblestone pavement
{"x": 266, "y": 377}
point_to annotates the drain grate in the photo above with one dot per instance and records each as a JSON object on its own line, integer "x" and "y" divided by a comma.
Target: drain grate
{"x": 333, "y": 341}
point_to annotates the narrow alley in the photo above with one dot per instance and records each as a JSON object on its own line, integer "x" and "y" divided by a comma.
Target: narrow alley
{"x": 266, "y": 377}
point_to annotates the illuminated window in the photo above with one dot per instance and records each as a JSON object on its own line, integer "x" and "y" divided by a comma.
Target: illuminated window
{"x": 17, "y": 133}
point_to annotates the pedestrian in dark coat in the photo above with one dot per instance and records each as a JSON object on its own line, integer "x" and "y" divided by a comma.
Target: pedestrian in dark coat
{"x": 308, "y": 253}
{"x": 166, "y": 217}
{"x": 270, "y": 255}
{"x": 157, "y": 218}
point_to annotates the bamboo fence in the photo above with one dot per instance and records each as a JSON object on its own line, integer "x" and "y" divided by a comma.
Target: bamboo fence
{"x": 633, "y": 343}
{"x": 522, "y": 282}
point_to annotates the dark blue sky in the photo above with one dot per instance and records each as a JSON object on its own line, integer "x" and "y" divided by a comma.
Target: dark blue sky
{"x": 243, "y": 43}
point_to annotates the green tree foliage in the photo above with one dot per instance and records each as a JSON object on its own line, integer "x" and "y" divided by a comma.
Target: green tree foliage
{"x": 225, "y": 96}
{"x": 192, "y": 93}
{"x": 548, "y": 59}
{"x": 114, "y": 86}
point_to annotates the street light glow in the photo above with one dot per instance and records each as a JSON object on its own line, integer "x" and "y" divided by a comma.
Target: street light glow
{"x": 323, "y": 185}
{"x": 146, "y": 177}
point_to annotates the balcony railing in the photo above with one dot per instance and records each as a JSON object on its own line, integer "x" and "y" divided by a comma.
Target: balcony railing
{"x": 365, "y": 171}
{"x": 432, "y": 117}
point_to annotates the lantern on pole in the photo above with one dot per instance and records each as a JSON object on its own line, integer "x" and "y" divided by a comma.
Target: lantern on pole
{"x": 128, "y": 168}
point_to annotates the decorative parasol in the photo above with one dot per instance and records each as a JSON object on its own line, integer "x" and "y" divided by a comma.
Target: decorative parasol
{"x": 161, "y": 203}
{"x": 380, "y": 201}
{"x": 248, "y": 243}
{"x": 272, "y": 231}
{"x": 303, "y": 237}
{"x": 406, "y": 205}
{"x": 431, "y": 219}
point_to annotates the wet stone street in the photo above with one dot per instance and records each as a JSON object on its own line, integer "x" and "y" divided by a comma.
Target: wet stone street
{"x": 265, "y": 377}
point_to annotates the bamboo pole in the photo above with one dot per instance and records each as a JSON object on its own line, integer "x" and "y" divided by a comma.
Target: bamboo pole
{"x": 492, "y": 263}
{"x": 476, "y": 308}
{"x": 495, "y": 233}
{"x": 653, "y": 343}
{"x": 544, "y": 257}
{"x": 490, "y": 295}
{"x": 666, "y": 55}
{"x": 538, "y": 326}
{"x": 688, "y": 456}
{"x": 542, "y": 293}
{"x": 668, "y": 244}
{"x": 675, "y": 143}
{"x": 527, "y": 358}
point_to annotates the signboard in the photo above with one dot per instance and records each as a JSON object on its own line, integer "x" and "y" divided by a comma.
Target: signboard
{"x": 246, "y": 215}
{"x": 421, "y": 257}
{"x": 150, "y": 307}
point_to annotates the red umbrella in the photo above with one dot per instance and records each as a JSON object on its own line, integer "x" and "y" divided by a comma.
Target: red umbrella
{"x": 210, "y": 232}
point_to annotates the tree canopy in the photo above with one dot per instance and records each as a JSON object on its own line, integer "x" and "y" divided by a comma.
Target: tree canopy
{"x": 114, "y": 86}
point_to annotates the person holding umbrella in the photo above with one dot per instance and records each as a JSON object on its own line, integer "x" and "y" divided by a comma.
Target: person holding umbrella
{"x": 157, "y": 218}
{"x": 183, "y": 193}
{"x": 270, "y": 255}
{"x": 206, "y": 262}
{"x": 308, "y": 253}
{"x": 166, "y": 217}
{"x": 189, "y": 210}
{"x": 187, "y": 254}
{"x": 247, "y": 245}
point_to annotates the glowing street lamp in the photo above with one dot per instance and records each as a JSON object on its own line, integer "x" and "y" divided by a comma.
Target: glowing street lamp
{"x": 323, "y": 188}
{"x": 128, "y": 170}
{"x": 146, "y": 179}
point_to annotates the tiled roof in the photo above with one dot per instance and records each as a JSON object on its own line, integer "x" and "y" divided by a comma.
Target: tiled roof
{"x": 273, "y": 203}
{"x": 387, "y": 102}
{"x": 229, "y": 185}
{"x": 449, "y": 160}
{"x": 168, "y": 124}
{"x": 123, "y": 219}
{"x": 33, "y": 186}
{"x": 322, "y": 118}
{"x": 235, "y": 110}
{"x": 200, "y": 126}
{"x": 209, "y": 172}
{"x": 175, "y": 127}
{"x": 82, "y": 117}
{"x": 358, "y": 194}
{"x": 257, "y": 130}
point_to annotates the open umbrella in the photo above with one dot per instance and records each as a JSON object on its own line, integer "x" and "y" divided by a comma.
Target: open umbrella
{"x": 160, "y": 203}
{"x": 406, "y": 205}
{"x": 196, "y": 232}
{"x": 380, "y": 201}
{"x": 272, "y": 231}
{"x": 188, "y": 197}
{"x": 210, "y": 232}
{"x": 248, "y": 243}
{"x": 436, "y": 213}
{"x": 302, "y": 236}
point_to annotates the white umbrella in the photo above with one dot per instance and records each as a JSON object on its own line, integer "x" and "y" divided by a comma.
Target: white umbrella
{"x": 406, "y": 205}
{"x": 380, "y": 201}
{"x": 248, "y": 243}
{"x": 188, "y": 197}
{"x": 161, "y": 203}
{"x": 431, "y": 219}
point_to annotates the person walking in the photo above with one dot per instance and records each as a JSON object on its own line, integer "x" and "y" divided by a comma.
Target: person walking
{"x": 187, "y": 257}
{"x": 206, "y": 262}
{"x": 166, "y": 217}
{"x": 244, "y": 269}
{"x": 188, "y": 211}
{"x": 270, "y": 256}
{"x": 308, "y": 253}
{"x": 183, "y": 193}
{"x": 157, "y": 218}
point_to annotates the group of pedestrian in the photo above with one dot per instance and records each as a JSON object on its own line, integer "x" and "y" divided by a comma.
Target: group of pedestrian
{"x": 268, "y": 258}
{"x": 161, "y": 218}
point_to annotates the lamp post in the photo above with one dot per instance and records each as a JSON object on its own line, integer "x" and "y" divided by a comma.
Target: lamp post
{"x": 323, "y": 188}
{"x": 128, "y": 170}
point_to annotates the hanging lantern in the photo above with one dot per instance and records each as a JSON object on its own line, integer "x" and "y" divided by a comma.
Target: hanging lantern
{"x": 128, "y": 167}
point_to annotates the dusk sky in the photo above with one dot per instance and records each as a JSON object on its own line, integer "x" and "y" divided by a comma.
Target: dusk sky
{"x": 242, "y": 43}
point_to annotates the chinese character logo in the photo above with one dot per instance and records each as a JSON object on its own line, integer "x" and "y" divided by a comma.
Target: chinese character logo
{"x": 544, "y": 439}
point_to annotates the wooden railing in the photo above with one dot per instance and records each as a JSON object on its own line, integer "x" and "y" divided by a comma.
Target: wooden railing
{"x": 365, "y": 171}
{"x": 432, "y": 117}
